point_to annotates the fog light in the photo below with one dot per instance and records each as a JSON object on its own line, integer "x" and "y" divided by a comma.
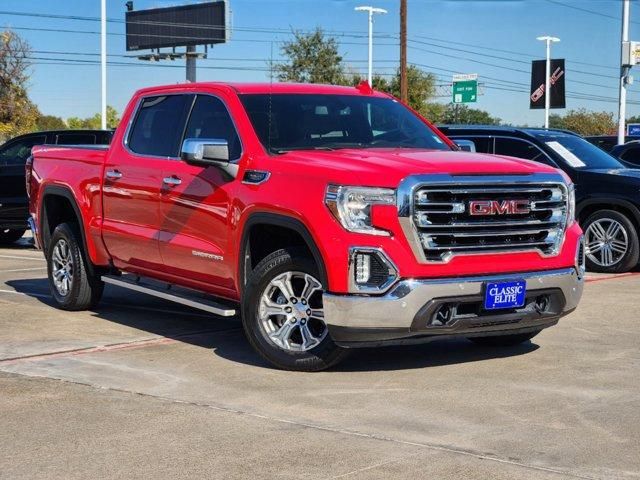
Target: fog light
{"x": 580, "y": 258}
{"x": 363, "y": 268}
{"x": 370, "y": 270}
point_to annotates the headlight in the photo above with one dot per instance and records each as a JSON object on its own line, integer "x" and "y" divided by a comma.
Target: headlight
{"x": 352, "y": 206}
{"x": 571, "y": 201}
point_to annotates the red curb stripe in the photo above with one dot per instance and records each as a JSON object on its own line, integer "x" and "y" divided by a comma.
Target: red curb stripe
{"x": 612, "y": 277}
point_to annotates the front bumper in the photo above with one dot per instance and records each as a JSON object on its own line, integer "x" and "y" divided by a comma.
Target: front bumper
{"x": 405, "y": 314}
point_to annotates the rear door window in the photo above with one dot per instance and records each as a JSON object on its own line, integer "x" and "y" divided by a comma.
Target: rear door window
{"x": 16, "y": 153}
{"x": 159, "y": 124}
{"x": 76, "y": 139}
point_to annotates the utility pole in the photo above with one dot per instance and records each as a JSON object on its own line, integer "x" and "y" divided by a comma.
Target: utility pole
{"x": 103, "y": 61}
{"x": 624, "y": 75}
{"x": 547, "y": 78}
{"x": 371, "y": 11}
{"x": 404, "y": 87}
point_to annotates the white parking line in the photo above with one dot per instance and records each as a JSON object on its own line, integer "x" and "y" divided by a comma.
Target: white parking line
{"x": 42, "y": 295}
{"x": 23, "y": 269}
{"x": 23, "y": 258}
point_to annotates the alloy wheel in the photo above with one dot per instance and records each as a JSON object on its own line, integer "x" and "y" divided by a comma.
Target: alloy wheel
{"x": 606, "y": 242}
{"x": 62, "y": 267}
{"x": 291, "y": 312}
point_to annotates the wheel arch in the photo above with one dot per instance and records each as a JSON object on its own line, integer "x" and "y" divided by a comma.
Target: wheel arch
{"x": 47, "y": 225}
{"x": 265, "y": 220}
{"x": 592, "y": 205}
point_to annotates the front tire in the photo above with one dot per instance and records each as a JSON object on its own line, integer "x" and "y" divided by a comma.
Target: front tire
{"x": 611, "y": 242}
{"x": 282, "y": 314}
{"x": 9, "y": 236}
{"x": 504, "y": 340}
{"x": 72, "y": 285}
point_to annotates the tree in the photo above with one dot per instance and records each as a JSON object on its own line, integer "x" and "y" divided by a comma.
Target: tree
{"x": 17, "y": 113}
{"x": 50, "y": 122}
{"x": 585, "y": 122}
{"x": 421, "y": 87}
{"x": 312, "y": 58}
{"x": 465, "y": 115}
{"x": 94, "y": 122}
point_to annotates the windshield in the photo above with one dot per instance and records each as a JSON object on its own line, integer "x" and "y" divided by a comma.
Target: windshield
{"x": 286, "y": 122}
{"x": 577, "y": 152}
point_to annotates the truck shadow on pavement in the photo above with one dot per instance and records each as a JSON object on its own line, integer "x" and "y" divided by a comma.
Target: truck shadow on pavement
{"x": 224, "y": 336}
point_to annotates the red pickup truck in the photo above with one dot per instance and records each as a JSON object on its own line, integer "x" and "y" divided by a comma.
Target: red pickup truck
{"x": 328, "y": 217}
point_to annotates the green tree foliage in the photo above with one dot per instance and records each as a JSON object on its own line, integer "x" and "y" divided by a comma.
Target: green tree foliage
{"x": 585, "y": 122}
{"x": 312, "y": 58}
{"x": 465, "y": 115}
{"x": 17, "y": 113}
{"x": 50, "y": 122}
{"x": 420, "y": 85}
{"x": 94, "y": 122}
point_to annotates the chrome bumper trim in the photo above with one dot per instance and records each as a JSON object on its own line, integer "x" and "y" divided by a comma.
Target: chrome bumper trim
{"x": 398, "y": 307}
{"x": 34, "y": 231}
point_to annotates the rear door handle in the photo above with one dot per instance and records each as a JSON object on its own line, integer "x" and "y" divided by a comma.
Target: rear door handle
{"x": 113, "y": 174}
{"x": 171, "y": 181}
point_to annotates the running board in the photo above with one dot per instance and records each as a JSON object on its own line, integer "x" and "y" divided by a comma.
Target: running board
{"x": 170, "y": 292}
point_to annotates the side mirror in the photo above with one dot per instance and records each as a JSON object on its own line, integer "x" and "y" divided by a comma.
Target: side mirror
{"x": 208, "y": 151}
{"x": 465, "y": 145}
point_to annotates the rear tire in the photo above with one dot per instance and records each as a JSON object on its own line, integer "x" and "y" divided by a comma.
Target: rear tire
{"x": 504, "y": 340}
{"x": 611, "y": 242}
{"x": 8, "y": 236}
{"x": 282, "y": 314}
{"x": 72, "y": 285}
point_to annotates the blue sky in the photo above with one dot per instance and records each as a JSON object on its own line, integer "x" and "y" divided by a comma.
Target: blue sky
{"x": 494, "y": 38}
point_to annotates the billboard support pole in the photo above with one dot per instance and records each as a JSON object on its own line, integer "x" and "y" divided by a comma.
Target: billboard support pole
{"x": 103, "y": 62}
{"x": 624, "y": 72}
{"x": 547, "y": 78}
{"x": 191, "y": 63}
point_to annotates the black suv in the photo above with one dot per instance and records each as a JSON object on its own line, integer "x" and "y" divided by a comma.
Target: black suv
{"x": 607, "y": 193}
{"x": 628, "y": 154}
{"x": 608, "y": 142}
{"x": 13, "y": 155}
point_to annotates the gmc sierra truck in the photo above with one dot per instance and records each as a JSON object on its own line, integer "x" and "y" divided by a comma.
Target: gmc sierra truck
{"x": 327, "y": 217}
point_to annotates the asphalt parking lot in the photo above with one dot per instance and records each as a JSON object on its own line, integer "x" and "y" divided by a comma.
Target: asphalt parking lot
{"x": 142, "y": 388}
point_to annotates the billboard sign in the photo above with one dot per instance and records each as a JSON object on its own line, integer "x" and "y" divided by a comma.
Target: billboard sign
{"x": 633, "y": 129}
{"x": 538, "y": 74}
{"x": 195, "y": 24}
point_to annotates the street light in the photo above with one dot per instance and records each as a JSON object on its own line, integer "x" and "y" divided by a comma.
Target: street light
{"x": 371, "y": 11}
{"x": 547, "y": 85}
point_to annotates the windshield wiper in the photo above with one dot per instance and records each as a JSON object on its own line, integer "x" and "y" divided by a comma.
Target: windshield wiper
{"x": 291, "y": 149}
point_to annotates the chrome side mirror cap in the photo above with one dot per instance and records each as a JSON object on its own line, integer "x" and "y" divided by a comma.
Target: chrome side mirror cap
{"x": 208, "y": 152}
{"x": 465, "y": 145}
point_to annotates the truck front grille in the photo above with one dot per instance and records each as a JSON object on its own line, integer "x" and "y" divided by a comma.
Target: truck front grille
{"x": 480, "y": 216}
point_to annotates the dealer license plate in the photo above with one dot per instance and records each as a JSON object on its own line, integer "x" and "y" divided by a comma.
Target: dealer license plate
{"x": 505, "y": 294}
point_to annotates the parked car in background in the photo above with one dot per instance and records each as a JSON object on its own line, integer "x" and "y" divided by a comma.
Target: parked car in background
{"x": 628, "y": 154}
{"x": 607, "y": 193}
{"x": 607, "y": 142}
{"x": 13, "y": 156}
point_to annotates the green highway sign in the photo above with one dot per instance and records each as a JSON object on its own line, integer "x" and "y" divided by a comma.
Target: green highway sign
{"x": 465, "y": 88}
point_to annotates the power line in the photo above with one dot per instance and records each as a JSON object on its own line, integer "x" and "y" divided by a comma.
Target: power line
{"x": 586, "y": 10}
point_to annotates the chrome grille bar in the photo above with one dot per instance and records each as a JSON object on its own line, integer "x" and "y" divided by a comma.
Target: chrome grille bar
{"x": 435, "y": 214}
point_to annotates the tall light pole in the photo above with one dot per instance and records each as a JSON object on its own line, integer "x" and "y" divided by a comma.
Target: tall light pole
{"x": 624, "y": 75}
{"x": 404, "y": 85}
{"x": 371, "y": 11}
{"x": 103, "y": 61}
{"x": 547, "y": 77}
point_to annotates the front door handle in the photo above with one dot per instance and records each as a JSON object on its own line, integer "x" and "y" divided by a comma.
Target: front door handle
{"x": 113, "y": 174}
{"x": 171, "y": 181}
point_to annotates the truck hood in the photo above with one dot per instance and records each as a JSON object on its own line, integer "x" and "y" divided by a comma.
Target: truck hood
{"x": 387, "y": 167}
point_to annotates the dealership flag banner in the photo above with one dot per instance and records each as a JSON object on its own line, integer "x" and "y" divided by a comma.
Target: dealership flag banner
{"x": 538, "y": 72}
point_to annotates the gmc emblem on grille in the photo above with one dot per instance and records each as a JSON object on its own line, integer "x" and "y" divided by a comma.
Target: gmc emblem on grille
{"x": 497, "y": 207}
